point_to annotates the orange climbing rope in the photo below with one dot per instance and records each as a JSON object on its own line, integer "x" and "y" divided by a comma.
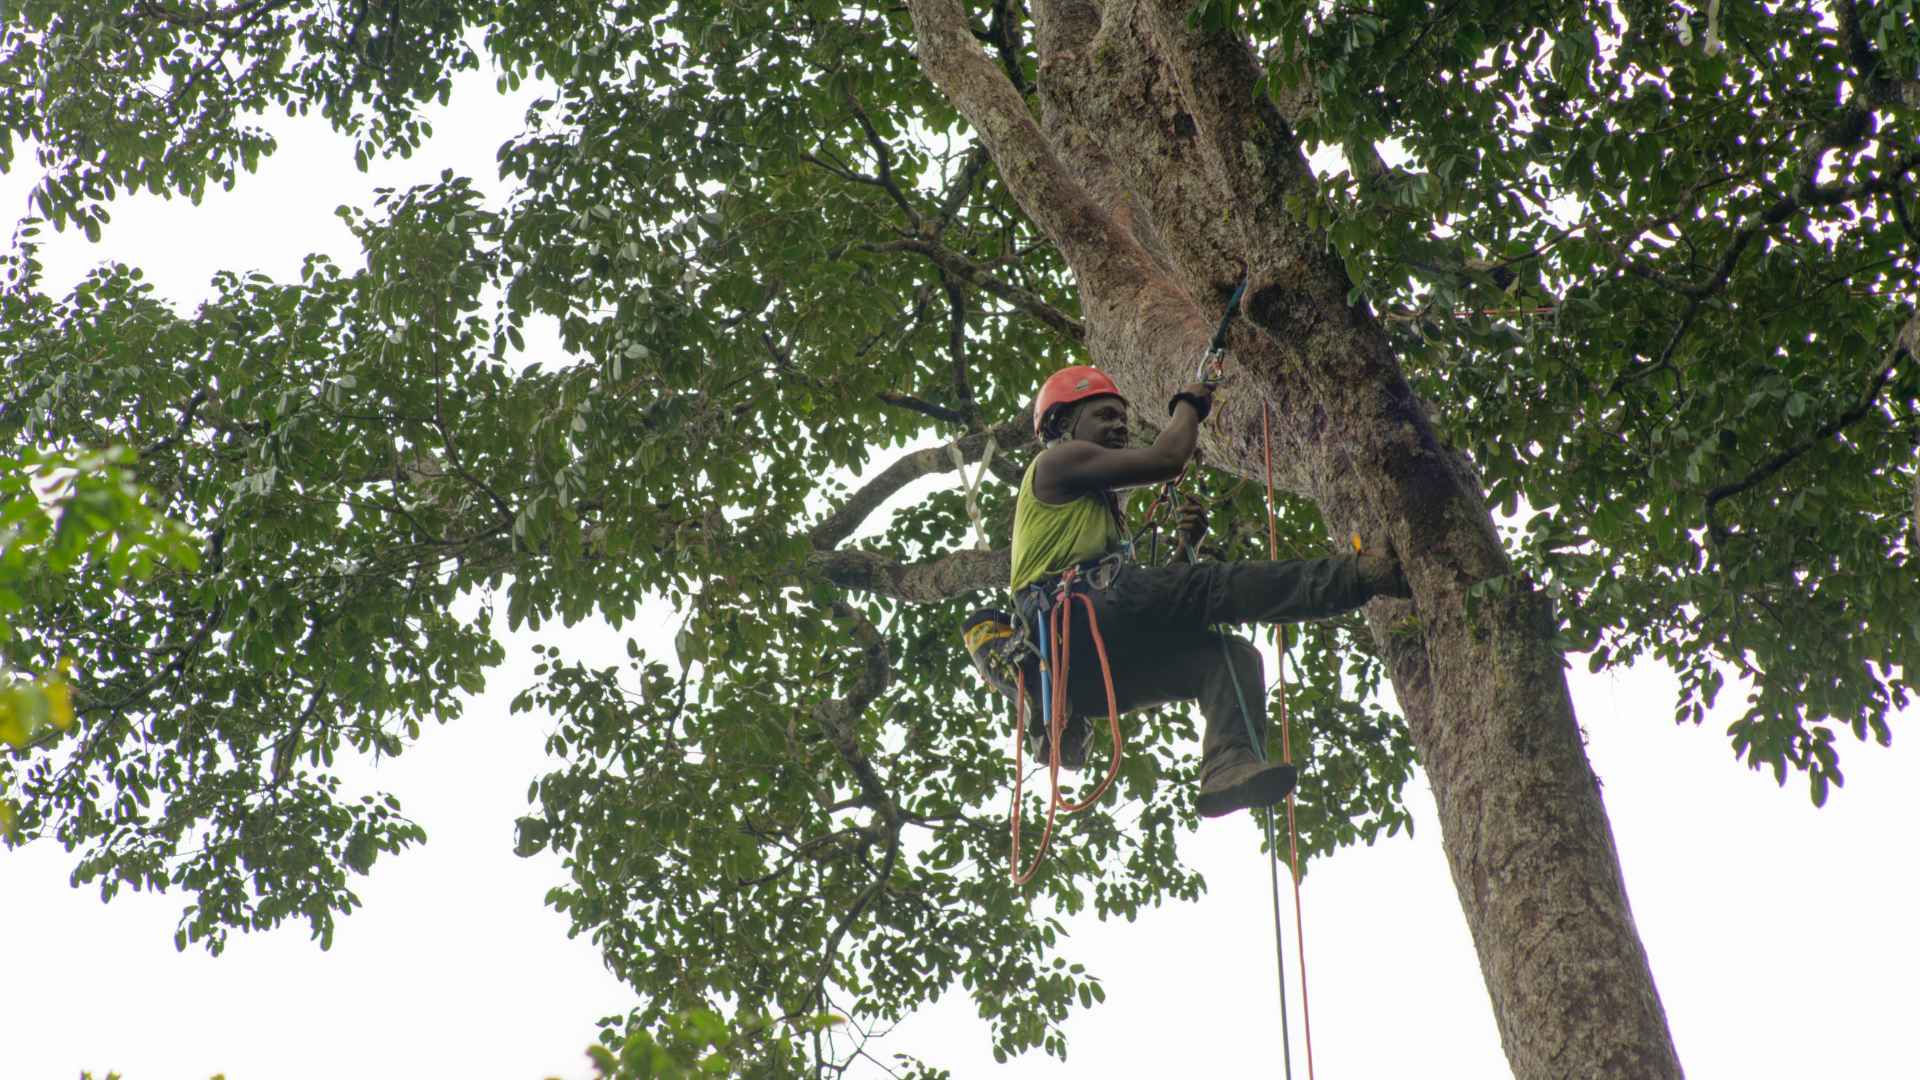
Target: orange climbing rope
{"x": 1286, "y": 747}
{"x": 1059, "y": 625}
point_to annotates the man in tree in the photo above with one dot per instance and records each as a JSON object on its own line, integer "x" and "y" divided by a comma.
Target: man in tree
{"x": 1156, "y": 620}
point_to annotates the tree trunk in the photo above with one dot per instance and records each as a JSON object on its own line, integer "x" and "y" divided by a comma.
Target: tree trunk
{"x": 1163, "y": 176}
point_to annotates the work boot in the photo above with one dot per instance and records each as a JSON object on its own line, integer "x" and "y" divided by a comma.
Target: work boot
{"x": 1237, "y": 779}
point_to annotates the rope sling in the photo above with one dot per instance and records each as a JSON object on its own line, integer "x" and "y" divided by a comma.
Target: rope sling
{"x": 1053, "y": 624}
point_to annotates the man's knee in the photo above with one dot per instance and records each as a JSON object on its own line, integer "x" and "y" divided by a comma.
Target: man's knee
{"x": 1246, "y": 660}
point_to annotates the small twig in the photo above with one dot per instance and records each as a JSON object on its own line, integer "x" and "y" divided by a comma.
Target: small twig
{"x": 902, "y": 328}
{"x": 1470, "y": 313}
{"x": 924, "y": 408}
{"x": 1901, "y": 214}
{"x": 187, "y": 412}
{"x": 884, "y": 158}
{"x": 459, "y": 469}
{"x": 972, "y": 164}
{"x": 965, "y": 269}
{"x": 844, "y": 172}
{"x": 353, "y": 32}
{"x": 249, "y": 13}
{"x": 957, "y": 351}
{"x": 1807, "y": 194}
{"x": 836, "y": 719}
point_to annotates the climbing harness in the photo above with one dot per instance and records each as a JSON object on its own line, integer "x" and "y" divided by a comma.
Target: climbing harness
{"x": 1053, "y": 618}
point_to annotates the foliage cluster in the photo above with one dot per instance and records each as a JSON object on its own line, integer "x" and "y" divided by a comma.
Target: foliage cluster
{"x": 74, "y": 526}
{"x": 1656, "y": 291}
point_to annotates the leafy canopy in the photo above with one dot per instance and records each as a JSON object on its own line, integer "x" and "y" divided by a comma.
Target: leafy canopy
{"x": 1653, "y": 274}
{"x": 73, "y": 528}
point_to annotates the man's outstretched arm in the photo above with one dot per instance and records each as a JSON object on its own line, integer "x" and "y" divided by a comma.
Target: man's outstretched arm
{"x": 1083, "y": 464}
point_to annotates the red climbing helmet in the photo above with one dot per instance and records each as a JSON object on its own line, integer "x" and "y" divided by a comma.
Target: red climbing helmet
{"x": 1068, "y": 385}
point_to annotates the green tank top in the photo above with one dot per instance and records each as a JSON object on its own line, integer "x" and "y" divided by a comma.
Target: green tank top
{"x": 1048, "y": 538}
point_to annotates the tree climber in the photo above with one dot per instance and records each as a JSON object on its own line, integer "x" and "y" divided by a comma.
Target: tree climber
{"x": 1157, "y": 621}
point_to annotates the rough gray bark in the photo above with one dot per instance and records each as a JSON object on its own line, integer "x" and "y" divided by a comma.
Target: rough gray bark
{"x": 1162, "y": 176}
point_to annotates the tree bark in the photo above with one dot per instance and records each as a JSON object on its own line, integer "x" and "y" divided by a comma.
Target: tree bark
{"x": 1163, "y": 176}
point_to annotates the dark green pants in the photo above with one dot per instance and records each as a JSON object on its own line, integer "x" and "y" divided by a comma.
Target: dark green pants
{"x": 1158, "y": 623}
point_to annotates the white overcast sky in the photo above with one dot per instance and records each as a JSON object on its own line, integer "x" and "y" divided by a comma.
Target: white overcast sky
{"x": 1784, "y": 939}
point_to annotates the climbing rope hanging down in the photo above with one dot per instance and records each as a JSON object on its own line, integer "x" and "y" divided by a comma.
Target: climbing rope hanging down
{"x": 1266, "y": 812}
{"x": 1286, "y": 755}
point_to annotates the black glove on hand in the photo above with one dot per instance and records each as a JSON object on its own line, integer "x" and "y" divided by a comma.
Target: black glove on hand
{"x": 1201, "y": 405}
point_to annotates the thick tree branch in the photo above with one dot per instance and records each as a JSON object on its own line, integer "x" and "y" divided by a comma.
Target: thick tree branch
{"x": 1045, "y": 188}
{"x": 956, "y": 265}
{"x": 956, "y": 574}
{"x": 933, "y": 580}
{"x": 842, "y": 523}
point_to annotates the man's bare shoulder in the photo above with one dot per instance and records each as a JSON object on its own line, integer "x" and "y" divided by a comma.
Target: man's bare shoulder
{"x": 1055, "y": 469}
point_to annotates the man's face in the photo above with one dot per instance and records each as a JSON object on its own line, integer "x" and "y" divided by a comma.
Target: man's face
{"x": 1103, "y": 421}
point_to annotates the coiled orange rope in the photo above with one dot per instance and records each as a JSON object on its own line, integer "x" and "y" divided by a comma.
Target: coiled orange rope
{"x": 1059, "y": 623}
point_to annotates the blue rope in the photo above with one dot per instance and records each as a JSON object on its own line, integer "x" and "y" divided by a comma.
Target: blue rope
{"x": 1046, "y": 666}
